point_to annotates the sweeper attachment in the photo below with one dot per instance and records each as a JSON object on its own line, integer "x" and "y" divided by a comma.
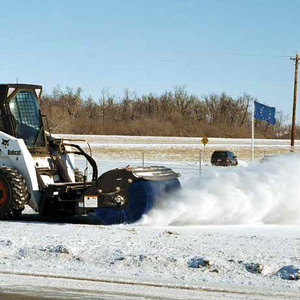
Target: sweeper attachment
{"x": 39, "y": 170}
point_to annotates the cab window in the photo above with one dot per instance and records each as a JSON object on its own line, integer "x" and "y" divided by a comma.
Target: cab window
{"x": 25, "y": 111}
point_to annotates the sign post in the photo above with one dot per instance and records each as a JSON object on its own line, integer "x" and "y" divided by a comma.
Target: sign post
{"x": 200, "y": 161}
{"x": 204, "y": 141}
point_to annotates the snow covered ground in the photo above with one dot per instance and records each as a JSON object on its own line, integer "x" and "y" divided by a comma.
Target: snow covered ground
{"x": 183, "y": 149}
{"x": 198, "y": 258}
{"x": 230, "y": 233}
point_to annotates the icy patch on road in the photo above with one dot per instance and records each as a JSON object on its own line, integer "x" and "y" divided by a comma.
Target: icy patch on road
{"x": 261, "y": 194}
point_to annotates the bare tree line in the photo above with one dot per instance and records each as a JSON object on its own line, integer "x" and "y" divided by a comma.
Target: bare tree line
{"x": 173, "y": 113}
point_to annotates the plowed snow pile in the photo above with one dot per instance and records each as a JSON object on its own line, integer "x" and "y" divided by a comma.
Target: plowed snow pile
{"x": 265, "y": 193}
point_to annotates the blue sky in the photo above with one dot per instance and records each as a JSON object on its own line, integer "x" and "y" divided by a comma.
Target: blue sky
{"x": 207, "y": 46}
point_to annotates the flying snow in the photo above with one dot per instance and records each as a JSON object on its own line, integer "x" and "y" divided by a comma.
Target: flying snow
{"x": 267, "y": 193}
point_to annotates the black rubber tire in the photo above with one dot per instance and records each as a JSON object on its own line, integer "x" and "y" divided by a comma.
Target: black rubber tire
{"x": 13, "y": 193}
{"x": 78, "y": 175}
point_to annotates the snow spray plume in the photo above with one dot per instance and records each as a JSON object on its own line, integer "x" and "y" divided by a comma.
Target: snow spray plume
{"x": 266, "y": 193}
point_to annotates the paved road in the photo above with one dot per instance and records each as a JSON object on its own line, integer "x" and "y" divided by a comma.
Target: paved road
{"x": 48, "y": 287}
{"x": 41, "y": 295}
{"x": 5, "y": 296}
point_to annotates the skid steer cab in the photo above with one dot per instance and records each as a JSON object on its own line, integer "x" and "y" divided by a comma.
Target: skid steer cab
{"x": 39, "y": 170}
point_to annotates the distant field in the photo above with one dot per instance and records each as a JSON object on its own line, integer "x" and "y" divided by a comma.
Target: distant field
{"x": 177, "y": 148}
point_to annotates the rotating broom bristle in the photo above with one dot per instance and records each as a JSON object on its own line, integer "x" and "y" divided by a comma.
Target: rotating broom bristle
{"x": 142, "y": 196}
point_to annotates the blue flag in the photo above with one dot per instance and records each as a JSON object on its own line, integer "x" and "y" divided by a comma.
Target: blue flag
{"x": 264, "y": 113}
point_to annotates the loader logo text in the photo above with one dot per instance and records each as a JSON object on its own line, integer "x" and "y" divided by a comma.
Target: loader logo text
{"x": 14, "y": 152}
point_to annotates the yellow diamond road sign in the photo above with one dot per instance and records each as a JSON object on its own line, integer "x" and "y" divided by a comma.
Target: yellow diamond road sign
{"x": 204, "y": 140}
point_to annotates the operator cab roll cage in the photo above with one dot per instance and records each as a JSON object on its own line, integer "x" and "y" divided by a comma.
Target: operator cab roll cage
{"x": 20, "y": 116}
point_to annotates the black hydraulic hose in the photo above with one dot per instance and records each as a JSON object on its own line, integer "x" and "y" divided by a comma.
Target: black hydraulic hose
{"x": 89, "y": 159}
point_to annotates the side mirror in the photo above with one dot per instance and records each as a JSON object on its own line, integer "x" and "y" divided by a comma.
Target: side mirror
{"x": 234, "y": 156}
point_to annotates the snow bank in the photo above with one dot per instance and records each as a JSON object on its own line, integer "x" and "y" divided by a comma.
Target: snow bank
{"x": 261, "y": 194}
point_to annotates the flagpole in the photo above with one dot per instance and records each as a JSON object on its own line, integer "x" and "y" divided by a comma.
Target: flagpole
{"x": 252, "y": 135}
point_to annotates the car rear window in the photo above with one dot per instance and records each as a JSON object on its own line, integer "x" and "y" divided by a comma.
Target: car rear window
{"x": 219, "y": 154}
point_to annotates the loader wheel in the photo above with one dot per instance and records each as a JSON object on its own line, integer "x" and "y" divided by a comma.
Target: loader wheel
{"x": 13, "y": 193}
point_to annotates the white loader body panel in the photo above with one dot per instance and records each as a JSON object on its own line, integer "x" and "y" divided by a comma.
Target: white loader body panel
{"x": 14, "y": 154}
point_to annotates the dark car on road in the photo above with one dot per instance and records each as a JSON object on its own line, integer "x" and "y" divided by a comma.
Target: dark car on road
{"x": 223, "y": 158}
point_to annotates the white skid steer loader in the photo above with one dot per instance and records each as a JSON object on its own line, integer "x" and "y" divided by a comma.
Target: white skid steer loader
{"x": 39, "y": 170}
